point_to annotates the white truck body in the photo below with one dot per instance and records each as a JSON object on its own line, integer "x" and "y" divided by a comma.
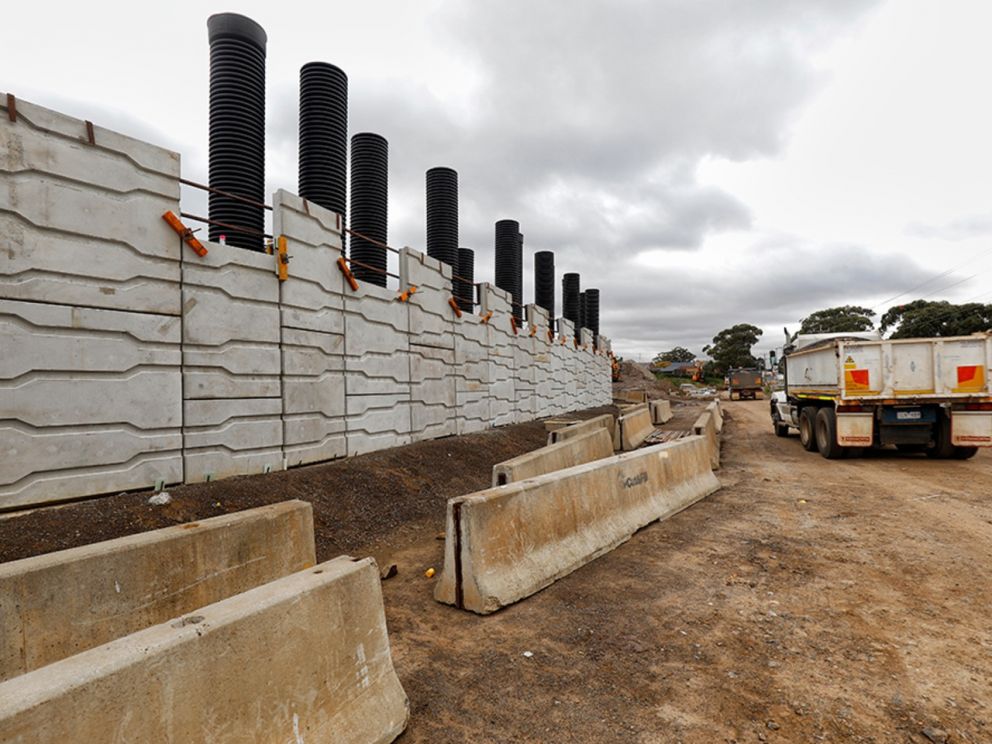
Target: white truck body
{"x": 932, "y": 393}
{"x": 916, "y": 369}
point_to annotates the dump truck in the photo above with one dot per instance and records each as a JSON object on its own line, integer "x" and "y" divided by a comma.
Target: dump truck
{"x": 745, "y": 382}
{"x": 847, "y": 392}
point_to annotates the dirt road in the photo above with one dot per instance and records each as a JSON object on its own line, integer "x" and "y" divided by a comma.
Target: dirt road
{"x": 806, "y": 601}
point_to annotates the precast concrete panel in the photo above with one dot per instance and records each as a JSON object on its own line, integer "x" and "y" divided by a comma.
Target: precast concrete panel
{"x": 433, "y": 398}
{"x": 502, "y": 391}
{"x": 91, "y": 401}
{"x": 312, "y": 316}
{"x": 471, "y": 373}
{"x": 538, "y": 320}
{"x": 377, "y": 366}
{"x": 82, "y": 223}
{"x": 232, "y": 391}
{"x": 90, "y": 388}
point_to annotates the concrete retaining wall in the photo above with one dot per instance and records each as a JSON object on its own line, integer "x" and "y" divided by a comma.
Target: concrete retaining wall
{"x": 303, "y": 658}
{"x": 661, "y": 411}
{"x": 593, "y": 445}
{"x": 58, "y": 604}
{"x": 506, "y": 543}
{"x": 129, "y": 361}
{"x": 633, "y": 428}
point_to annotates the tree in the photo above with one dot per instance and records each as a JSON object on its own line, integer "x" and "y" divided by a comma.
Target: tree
{"x": 678, "y": 354}
{"x": 847, "y": 318}
{"x": 731, "y": 347}
{"x": 923, "y": 318}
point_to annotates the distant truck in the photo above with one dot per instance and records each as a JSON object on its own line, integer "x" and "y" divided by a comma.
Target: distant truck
{"x": 846, "y": 392}
{"x": 745, "y": 382}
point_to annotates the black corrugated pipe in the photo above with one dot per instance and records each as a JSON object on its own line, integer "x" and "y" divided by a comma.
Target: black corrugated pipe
{"x": 592, "y": 311}
{"x": 518, "y": 279}
{"x": 324, "y": 136}
{"x": 442, "y": 215}
{"x": 570, "y": 298}
{"x": 369, "y": 205}
{"x": 583, "y": 318}
{"x": 544, "y": 283}
{"x": 237, "y": 127}
{"x": 465, "y": 290}
{"x": 507, "y": 245}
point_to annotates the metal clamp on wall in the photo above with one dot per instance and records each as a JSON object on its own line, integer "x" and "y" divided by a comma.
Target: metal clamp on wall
{"x": 405, "y": 295}
{"x": 343, "y": 265}
{"x": 185, "y": 233}
{"x": 487, "y": 317}
{"x": 454, "y": 306}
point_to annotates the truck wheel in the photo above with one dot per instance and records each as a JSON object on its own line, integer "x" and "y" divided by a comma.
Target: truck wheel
{"x": 807, "y": 436}
{"x": 826, "y": 434}
{"x": 964, "y": 453}
{"x": 942, "y": 449}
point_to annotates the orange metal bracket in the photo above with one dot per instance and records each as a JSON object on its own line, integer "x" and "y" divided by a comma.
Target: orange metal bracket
{"x": 533, "y": 331}
{"x": 404, "y": 296}
{"x": 551, "y": 337}
{"x": 454, "y": 306}
{"x": 185, "y": 233}
{"x": 563, "y": 340}
{"x": 343, "y": 265}
{"x": 487, "y": 317}
{"x": 282, "y": 258}
{"x": 513, "y": 324}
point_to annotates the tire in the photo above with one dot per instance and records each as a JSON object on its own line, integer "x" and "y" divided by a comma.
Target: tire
{"x": 964, "y": 453}
{"x": 826, "y": 434}
{"x": 807, "y": 429}
{"x": 942, "y": 449}
{"x": 781, "y": 430}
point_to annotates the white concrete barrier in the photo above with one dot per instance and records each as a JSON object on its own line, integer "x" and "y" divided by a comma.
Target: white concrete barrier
{"x": 579, "y": 428}
{"x": 593, "y": 445}
{"x": 661, "y": 411}
{"x": 302, "y": 659}
{"x": 58, "y": 604}
{"x": 506, "y": 543}
{"x": 706, "y": 427}
{"x": 717, "y": 412}
{"x": 633, "y": 428}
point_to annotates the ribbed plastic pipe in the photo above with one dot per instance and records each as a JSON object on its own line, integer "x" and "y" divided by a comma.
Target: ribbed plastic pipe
{"x": 570, "y": 298}
{"x": 509, "y": 259}
{"x": 369, "y": 206}
{"x": 465, "y": 286}
{"x": 592, "y": 310}
{"x": 442, "y": 215}
{"x": 237, "y": 128}
{"x": 323, "y": 174}
{"x": 544, "y": 281}
{"x": 583, "y": 319}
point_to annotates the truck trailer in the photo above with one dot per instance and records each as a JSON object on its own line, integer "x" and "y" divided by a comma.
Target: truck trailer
{"x": 745, "y": 382}
{"x": 847, "y": 392}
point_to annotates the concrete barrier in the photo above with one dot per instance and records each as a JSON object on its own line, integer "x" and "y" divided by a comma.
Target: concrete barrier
{"x": 506, "y": 543}
{"x": 56, "y": 605}
{"x": 633, "y": 428}
{"x": 553, "y": 424}
{"x": 661, "y": 411}
{"x": 303, "y": 658}
{"x": 717, "y": 412}
{"x": 593, "y": 445}
{"x": 632, "y": 396}
{"x": 579, "y": 428}
{"x": 706, "y": 427}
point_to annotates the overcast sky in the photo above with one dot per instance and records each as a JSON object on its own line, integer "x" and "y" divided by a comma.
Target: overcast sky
{"x": 701, "y": 162}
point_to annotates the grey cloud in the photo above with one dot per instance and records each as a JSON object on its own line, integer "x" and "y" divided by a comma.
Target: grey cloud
{"x": 963, "y": 228}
